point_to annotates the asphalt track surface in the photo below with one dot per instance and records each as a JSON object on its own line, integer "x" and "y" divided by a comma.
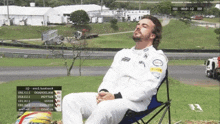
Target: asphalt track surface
{"x": 193, "y": 75}
{"x": 157, "y": 1}
{"x": 108, "y": 54}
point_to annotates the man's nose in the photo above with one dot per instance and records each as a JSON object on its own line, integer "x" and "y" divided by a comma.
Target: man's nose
{"x": 137, "y": 27}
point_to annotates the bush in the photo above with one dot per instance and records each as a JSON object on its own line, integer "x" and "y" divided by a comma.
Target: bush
{"x": 79, "y": 17}
{"x": 114, "y": 21}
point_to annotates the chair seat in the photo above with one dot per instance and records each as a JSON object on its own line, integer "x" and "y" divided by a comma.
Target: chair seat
{"x": 132, "y": 116}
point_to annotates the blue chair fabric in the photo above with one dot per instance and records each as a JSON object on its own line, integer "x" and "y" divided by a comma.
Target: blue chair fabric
{"x": 132, "y": 116}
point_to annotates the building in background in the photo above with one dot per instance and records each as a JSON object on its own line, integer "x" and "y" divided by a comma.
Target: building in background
{"x": 135, "y": 15}
{"x": 34, "y": 16}
{"x": 217, "y": 6}
{"x": 119, "y": 14}
{"x": 42, "y": 16}
{"x": 66, "y": 10}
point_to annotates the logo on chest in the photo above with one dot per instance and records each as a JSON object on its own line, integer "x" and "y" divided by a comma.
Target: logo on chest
{"x": 157, "y": 62}
{"x": 126, "y": 59}
{"x": 141, "y": 62}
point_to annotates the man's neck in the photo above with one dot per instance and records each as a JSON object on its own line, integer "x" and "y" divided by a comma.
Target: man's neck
{"x": 142, "y": 45}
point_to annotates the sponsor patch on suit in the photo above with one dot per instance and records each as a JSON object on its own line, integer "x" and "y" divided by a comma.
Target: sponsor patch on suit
{"x": 157, "y": 62}
{"x": 141, "y": 62}
{"x": 156, "y": 74}
{"x": 156, "y": 69}
{"x": 145, "y": 56}
{"x": 126, "y": 59}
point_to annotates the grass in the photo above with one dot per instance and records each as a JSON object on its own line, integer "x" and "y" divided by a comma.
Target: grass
{"x": 181, "y": 96}
{"x": 69, "y": 84}
{"x": 176, "y": 35}
{"x": 32, "y": 32}
{"x": 106, "y": 27}
{"x": 186, "y": 62}
{"x": 22, "y": 32}
{"x": 21, "y": 62}
{"x": 214, "y": 20}
{"x": 113, "y": 41}
{"x": 160, "y": 0}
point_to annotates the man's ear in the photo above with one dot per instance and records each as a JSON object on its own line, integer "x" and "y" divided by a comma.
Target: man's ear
{"x": 152, "y": 36}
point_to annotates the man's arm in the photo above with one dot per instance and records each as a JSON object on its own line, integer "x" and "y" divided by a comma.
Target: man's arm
{"x": 111, "y": 76}
{"x": 102, "y": 96}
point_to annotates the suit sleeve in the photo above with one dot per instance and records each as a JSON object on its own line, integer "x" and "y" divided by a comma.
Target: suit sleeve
{"x": 111, "y": 76}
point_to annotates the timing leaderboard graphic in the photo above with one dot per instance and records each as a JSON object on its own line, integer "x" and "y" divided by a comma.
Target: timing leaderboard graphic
{"x": 186, "y": 8}
{"x": 39, "y": 98}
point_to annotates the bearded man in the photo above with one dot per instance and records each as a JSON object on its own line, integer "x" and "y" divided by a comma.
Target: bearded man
{"x": 130, "y": 82}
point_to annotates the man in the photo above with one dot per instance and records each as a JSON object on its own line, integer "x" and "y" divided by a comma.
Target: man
{"x": 131, "y": 81}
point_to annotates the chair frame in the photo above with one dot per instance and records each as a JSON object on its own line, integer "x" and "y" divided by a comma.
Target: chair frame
{"x": 166, "y": 105}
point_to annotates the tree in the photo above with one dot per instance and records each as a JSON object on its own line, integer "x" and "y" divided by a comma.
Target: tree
{"x": 217, "y": 31}
{"x": 164, "y": 7}
{"x": 215, "y": 11}
{"x": 79, "y": 17}
{"x": 114, "y": 21}
{"x": 4, "y": 2}
{"x": 120, "y": 5}
{"x": 78, "y": 48}
{"x": 108, "y": 3}
{"x": 114, "y": 24}
{"x": 197, "y": 1}
{"x": 183, "y": 14}
{"x": 74, "y": 47}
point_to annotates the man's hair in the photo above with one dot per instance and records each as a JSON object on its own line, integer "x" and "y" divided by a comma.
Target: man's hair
{"x": 157, "y": 29}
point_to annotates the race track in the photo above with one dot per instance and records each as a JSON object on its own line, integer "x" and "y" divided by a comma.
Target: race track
{"x": 193, "y": 75}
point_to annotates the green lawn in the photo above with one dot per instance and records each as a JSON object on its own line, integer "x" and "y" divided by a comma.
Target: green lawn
{"x": 176, "y": 35}
{"x": 160, "y": 0}
{"x": 22, "y": 62}
{"x": 214, "y": 20}
{"x": 31, "y": 32}
{"x": 181, "y": 95}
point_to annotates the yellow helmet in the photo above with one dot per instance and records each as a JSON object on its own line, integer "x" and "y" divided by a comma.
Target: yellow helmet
{"x": 35, "y": 117}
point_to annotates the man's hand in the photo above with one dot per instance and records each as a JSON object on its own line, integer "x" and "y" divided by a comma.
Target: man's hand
{"x": 102, "y": 96}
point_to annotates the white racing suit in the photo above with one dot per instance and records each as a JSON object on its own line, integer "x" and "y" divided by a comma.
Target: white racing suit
{"x": 133, "y": 78}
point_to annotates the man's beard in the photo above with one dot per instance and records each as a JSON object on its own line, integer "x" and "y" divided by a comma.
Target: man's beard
{"x": 137, "y": 38}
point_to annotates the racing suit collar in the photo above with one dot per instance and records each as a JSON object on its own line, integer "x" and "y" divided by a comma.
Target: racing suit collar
{"x": 142, "y": 51}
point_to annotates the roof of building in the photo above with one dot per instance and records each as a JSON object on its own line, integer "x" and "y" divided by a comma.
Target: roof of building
{"x": 217, "y": 6}
{"x": 18, "y": 10}
{"x": 67, "y": 9}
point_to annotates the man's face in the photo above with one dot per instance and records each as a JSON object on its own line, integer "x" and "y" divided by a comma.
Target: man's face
{"x": 143, "y": 31}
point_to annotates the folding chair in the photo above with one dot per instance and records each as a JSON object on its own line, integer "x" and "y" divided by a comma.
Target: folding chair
{"x": 132, "y": 116}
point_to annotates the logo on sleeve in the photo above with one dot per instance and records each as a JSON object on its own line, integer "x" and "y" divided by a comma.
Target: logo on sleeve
{"x": 156, "y": 69}
{"x": 157, "y": 62}
{"x": 126, "y": 59}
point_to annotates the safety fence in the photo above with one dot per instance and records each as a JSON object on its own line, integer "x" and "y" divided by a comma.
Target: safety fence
{"x": 103, "y": 49}
{"x": 98, "y": 53}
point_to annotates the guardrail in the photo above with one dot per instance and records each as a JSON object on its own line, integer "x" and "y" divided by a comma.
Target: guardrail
{"x": 204, "y": 24}
{"x": 105, "y": 49}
